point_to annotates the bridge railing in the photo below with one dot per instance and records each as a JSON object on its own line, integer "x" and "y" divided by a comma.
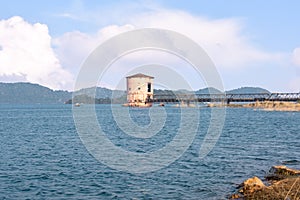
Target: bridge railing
{"x": 286, "y": 96}
{"x": 220, "y": 97}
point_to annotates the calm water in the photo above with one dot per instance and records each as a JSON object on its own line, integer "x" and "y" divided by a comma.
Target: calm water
{"x": 42, "y": 156}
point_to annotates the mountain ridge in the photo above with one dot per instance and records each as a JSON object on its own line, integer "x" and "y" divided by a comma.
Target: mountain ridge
{"x": 31, "y": 93}
{"x": 26, "y": 93}
{"x": 248, "y": 90}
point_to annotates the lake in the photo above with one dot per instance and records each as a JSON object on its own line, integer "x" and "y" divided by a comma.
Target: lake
{"x": 43, "y": 157}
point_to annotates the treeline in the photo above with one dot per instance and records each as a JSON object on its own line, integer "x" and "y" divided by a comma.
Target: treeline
{"x": 85, "y": 99}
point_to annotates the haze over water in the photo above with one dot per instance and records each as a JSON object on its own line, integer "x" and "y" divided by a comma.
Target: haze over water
{"x": 42, "y": 156}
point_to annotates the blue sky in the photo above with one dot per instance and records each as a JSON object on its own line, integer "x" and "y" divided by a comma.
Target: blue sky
{"x": 253, "y": 43}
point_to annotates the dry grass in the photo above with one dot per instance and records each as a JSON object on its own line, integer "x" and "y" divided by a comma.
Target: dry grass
{"x": 285, "y": 185}
{"x": 275, "y": 106}
{"x": 287, "y": 189}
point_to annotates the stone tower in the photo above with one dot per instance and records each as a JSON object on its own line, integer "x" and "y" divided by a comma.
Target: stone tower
{"x": 139, "y": 90}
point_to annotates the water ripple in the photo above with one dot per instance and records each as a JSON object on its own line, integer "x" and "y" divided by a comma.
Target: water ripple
{"x": 42, "y": 156}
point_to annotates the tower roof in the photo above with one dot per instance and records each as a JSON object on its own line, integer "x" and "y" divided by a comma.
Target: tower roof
{"x": 139, "y": 75}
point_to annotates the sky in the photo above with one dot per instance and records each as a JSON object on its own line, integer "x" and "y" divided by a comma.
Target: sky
{"x": 251, "y": 43}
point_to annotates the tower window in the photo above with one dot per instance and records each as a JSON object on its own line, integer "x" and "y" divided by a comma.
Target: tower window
{"x": 149, "y": 87}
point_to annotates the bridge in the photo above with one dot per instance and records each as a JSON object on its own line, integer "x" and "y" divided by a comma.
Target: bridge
{"x": 226, "y": 98}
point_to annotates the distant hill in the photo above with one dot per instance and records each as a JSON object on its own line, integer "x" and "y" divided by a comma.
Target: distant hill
{"x": 171, "y": 92}
{"x": 26, "y": 93}
{"x": 208, "y": 90}
{"x": 212, "y": 90}
{"x": 247, "y": 90}
{"x": 100, "y": 92}
{"x": 163, "y": 92}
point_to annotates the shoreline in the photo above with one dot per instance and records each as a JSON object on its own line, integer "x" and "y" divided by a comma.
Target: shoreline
{"x": 280, "y": 182}
{"x": 265, "y": 105}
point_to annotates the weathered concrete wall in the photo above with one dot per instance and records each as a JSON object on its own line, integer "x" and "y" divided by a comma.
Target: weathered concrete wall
{"x": 138, "y": 89}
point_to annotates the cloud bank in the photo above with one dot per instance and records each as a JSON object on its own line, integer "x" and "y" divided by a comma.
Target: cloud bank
{"x": 73, "y": 48}
{"x": 26, "y": 54}
{"x": 27, "y": 51}
{"x": 223, "y": 39}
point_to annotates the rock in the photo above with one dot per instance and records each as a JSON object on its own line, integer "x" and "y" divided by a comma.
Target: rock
{"x": 285, "y": 184}
{"x": 236, "y": 196}
{"x": 251, "y": 185}
{"x": 248, "y": 187}
{"x": 280, "y": 172}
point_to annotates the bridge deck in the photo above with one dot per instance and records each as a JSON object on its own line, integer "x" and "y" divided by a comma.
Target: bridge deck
{"x": 227, "y": 97}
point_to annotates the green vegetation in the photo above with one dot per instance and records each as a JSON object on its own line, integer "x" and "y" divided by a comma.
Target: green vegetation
{"x": 208, "y": 90}
{"x": 247, "y": 90}
{"x": 28, "y": 93}
{"x": 100, "y": 92}
{"x": 85, "y": 99}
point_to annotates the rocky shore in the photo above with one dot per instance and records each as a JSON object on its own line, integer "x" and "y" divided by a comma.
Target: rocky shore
{"x": 281, "y": 183}
{"x": 265, "y": 105}
{"x": 274, "y": 106}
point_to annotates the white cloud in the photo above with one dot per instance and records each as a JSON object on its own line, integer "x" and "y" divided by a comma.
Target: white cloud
{"x": 296, "y": 56}
{"x": 26, "y": 52}
{"x": 222, "y": 39}
{"x": 73, "y": 48}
